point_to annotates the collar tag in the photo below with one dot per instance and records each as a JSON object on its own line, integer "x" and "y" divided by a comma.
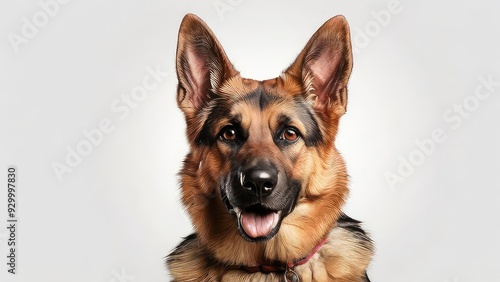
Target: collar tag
{"x": 291, "y": 276}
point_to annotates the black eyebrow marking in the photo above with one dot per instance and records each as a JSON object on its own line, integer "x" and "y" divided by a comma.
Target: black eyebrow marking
{"x": 206, "y": 136}
{"x": 261, "y": 98}
{"x": 312, "y": 136}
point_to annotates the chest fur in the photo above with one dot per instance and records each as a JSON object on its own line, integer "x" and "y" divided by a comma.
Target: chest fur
{"x": 344, "y": 257}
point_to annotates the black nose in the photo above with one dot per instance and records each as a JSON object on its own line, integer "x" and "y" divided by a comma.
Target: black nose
{"x": 259, "y": 181}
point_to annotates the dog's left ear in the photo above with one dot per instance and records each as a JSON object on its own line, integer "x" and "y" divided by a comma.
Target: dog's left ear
{"x": 324, "y": 66}
{"x": 202, "y": 64}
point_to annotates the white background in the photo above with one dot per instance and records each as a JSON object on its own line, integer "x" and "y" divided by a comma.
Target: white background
{"x": 117, "y": 214}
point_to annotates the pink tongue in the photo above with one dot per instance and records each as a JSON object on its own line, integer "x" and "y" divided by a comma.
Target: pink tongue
{"x": 257, "y": 225}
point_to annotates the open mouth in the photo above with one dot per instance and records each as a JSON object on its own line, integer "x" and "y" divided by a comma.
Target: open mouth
{"x": 256, "y": 223}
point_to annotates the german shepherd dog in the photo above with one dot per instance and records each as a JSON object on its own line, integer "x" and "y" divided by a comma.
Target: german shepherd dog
{"x": 263, "y": 182}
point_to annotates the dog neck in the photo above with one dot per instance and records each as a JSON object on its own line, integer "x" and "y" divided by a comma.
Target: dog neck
{"x": 287, "y": 268}
{"x": 344, "y": 256}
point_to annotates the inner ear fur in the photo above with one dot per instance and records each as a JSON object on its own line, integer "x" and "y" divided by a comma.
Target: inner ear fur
{"x": 202, "y": 64}
{"x": 324, "y": 66}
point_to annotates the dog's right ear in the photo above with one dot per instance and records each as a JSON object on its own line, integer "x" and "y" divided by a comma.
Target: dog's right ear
{"x": 202, "y": 64}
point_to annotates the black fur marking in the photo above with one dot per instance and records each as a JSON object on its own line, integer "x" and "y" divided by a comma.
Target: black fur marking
{"x": 354, "y": 226}
{"x": 260, "y": 98}
{"x": 178, "y": 250}
{"x": 209, "y": 261}
{"x": 350, "y": 224}
{"x": 207, "y": 135}
{"x": 314, "y": 136}
{"x": 221, "y": 108}
{"x": 284, "y": 123}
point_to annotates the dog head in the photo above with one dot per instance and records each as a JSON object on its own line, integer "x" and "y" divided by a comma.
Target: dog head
{"x": 263, "y": 165}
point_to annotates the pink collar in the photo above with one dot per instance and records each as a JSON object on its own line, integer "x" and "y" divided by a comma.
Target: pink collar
{"x": 287, "y": 268}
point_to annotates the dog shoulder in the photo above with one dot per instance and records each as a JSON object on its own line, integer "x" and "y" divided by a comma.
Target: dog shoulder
{"x": 344, "y": 257}
{"x": 354, "y": 229}
{"x": 350, "y": 250}
{"x": 190, "y": 262}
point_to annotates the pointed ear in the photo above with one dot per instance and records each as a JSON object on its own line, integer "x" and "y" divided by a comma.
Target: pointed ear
{"x": 324, "y": 66}
{"x": 202, "y": 64}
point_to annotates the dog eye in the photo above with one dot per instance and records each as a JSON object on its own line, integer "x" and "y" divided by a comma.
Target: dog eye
{"x": 290, "y": 134}
{"x": 228, "y": 133}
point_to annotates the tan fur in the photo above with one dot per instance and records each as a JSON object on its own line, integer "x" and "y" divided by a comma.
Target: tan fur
{"x": 342, "y": 258}
{"x": 320, "y": 169}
